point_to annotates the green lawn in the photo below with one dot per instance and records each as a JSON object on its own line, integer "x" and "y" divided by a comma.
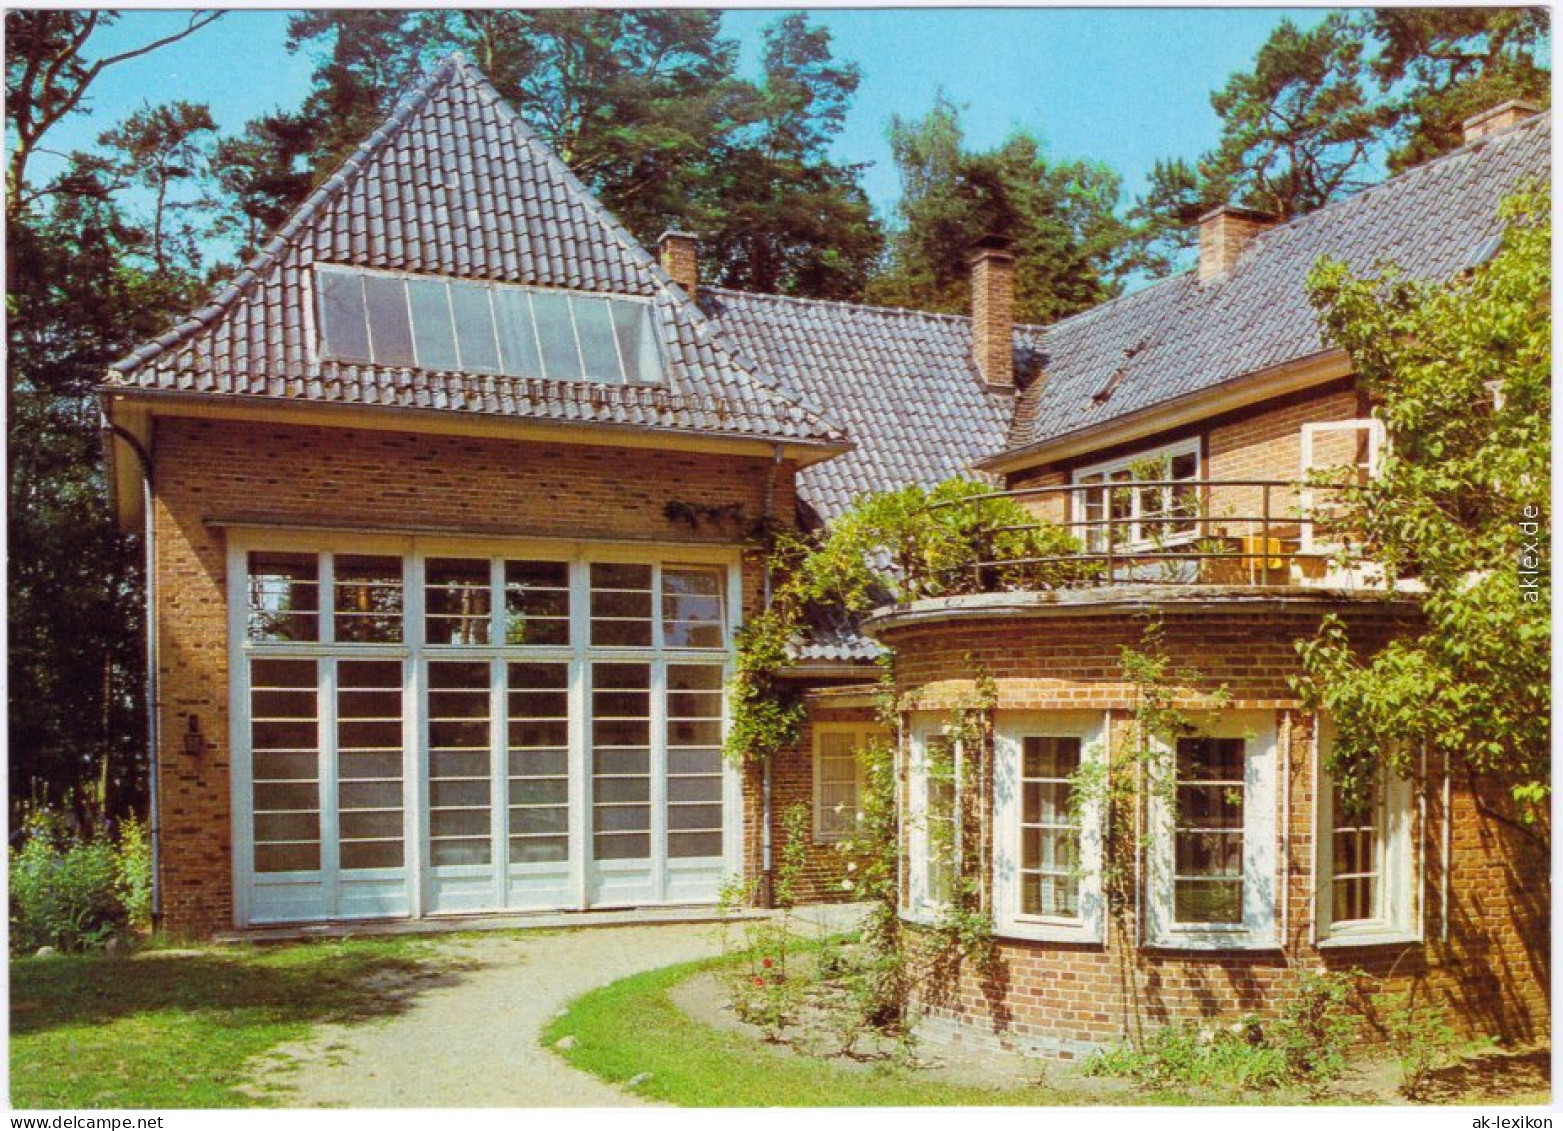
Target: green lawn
{"x": 631, "y": 1027}
{"x": 174, "y": 1029}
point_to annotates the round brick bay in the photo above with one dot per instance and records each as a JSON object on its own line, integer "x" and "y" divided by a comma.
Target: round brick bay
{"x": 1481, "y": 903}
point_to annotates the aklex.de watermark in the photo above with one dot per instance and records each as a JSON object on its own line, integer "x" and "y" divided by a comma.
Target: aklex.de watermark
{"x": 1530, "y": 556}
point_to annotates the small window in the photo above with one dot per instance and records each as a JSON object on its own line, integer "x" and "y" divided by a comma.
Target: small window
{"x": 934, "y": 847}
{"x": 456, "y": 600}
{"x": 838, "y": 780}
{"x": 692, "y": 607}
{"x": 479, "y": 327}
{"x": 537, "y": 603}
{"x": 1208, "y": 838}
{"x": 1141, "y": 517}
{"x": 621, "y": 605}
{"x": 1049, "y": 830}
{"x": 1366, "y": 866}
{"x": 284, "y": 594}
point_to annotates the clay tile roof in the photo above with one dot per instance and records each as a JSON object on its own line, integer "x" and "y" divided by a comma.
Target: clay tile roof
{"x": 901, "y": 382}
{"x": 1179, "y": 337}
{"x": 454, "y": 183}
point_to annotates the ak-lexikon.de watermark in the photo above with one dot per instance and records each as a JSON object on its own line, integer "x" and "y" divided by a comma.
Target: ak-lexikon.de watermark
{"x": 1530, "y": 556}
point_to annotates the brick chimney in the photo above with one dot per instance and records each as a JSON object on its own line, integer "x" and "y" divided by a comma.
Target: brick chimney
{"x": 992, "y": 265}
{"x": 1500, "y": 117}
{"x": 1223, "y": 233}
{"x": 679, "y": 253}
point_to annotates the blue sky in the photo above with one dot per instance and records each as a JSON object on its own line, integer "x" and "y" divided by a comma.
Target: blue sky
{"x": 1123, "y": 86}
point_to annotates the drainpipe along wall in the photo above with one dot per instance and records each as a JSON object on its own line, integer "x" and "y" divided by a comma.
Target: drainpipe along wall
{"x": 149, "y": 549}
{"x": 767, "y": 877}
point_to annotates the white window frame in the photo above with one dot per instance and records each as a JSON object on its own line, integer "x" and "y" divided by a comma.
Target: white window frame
{"x": 1398, "y": 921}
{"x": 1135, "y": 539}
{"x": 1309, "y": 543}
{"x": 918, "y": 906}
{"x": 416, "y": 875}
{"x": 863, "y": 735}
{"x": 1011, "y": 729}
{"x": 1261, "y": 834}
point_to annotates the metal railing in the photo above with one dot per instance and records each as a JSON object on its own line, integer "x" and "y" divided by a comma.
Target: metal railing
{"x": 1189, "y": 535}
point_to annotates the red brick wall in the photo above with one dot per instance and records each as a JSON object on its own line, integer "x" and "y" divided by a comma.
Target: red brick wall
{"x": 208, "y": 469}
{"x": 1484, "y": 957}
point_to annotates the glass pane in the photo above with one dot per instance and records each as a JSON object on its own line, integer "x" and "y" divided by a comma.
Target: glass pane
{"x": 556, "y": 335}
{"x": 368, "y": 599}
{"x": 459, "y": 790}
{"x": 432, "y": 332}
{"x": 692, "y": 608}
{"x": 474, "y": 328}
{"x": 456, "y": 600}
{"x": 286, "y": 788}
{"x": 599, "y": 351}
{"x": 284, "y": 592}
{"x": 621, "y": 764}
{"x": 537, "y": 603}
{"x": 538, "y": 786}
{"x": 517, "y": 336}
{"x": 621, "y": 605}
{"x": 1210, "y": 759}
{"x": 1208, "y": 901}
{"x": 344, "y": 327}
{"x": 635, "y": 327}
{"x": 390, "y": 331}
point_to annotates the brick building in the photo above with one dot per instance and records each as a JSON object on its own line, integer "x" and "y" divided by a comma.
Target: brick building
{"x": 447, "y": 502}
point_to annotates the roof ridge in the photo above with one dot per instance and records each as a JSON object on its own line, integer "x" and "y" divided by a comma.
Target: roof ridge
{"x": 406, "y": 104}
{"x": 870, "y": 308}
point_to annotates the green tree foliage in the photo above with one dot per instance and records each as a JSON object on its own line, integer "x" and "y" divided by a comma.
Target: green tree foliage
{"x": 1462, "y": 374}
{"x": 1060, "y": 215}
{"x": 644, "y": 105}
{"x": 86, "y": 281}
{"x": 1298, "y": 131}
{"x": 1439, "y": 66}
{"x": 1324, "y": 110}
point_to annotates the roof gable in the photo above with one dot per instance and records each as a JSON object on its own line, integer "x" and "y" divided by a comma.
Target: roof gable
{"x": 454, "y": 183}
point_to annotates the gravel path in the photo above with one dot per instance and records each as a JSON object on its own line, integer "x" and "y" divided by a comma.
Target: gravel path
{"x": 471, "y": 1040}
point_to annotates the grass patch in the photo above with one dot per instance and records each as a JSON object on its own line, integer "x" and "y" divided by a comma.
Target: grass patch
{"x": 174, "y": 1029}
{"x": 631, "y": 1027}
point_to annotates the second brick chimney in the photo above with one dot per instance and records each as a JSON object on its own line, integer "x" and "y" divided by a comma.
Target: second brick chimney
{"x": 1499, "y": 117}
{"x": 679, "y": 253}
{"x": 1223, "y": 233}
{"x": 992, "y": 265}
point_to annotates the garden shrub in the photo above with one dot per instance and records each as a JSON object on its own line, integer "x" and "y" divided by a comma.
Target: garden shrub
{"x": 71, "y": 892}
{"x": 1422, "y": 1041}
{"x": 1230, "y": 1060}
{"x": 1317, "y": 1028}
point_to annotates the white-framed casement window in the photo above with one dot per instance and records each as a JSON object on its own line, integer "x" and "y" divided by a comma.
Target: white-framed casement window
{"x": 1353, "y": 450}
{"x": 933, "y": 819}
{"x": 1211, "y": 865}
{"x": 1047, "y": 845}
{"x": 428, "y": 725}
{"x": 838, "y": 778}
{"x": 1141, "y": 517}
{"x": 1365, "y": 865}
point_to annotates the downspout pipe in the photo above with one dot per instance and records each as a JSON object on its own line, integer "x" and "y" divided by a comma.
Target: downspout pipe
{"x": 767, "y": 868}
{"x": 149, "y": 549}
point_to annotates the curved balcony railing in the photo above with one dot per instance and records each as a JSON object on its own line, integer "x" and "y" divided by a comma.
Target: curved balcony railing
{"x": 1236, "y": 532}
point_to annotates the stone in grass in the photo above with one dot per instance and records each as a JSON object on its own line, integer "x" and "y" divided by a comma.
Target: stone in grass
{"x": 44, "y": 952}
{"x": 637, "y": 1080}
{"x": 565, "y": 1044}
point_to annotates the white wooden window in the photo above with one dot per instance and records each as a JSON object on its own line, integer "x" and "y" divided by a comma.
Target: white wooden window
{"x": 1137, "y": 512}
{"x": 386, "y": 318}
{"x": 838, "y": 778}
{"x": 539, "y": 761}
{"x": 694, "y": 760}
{"x": 1352, "y": 450}
{"x": 933, "y": 826}
{"x": 1047, "y": 880}
{"x": 285, "y": 764}
{"x": 369, "y": 763}
{"x": 1366, "y": 872}
{"x": 1211, "y": 868}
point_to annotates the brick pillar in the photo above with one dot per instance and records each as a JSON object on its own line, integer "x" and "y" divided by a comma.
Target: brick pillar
{"x": 679, "y": 253}
{"x": 993, "y": 311}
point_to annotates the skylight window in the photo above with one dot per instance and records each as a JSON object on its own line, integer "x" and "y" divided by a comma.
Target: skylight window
{"x": 473, "y": 327}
